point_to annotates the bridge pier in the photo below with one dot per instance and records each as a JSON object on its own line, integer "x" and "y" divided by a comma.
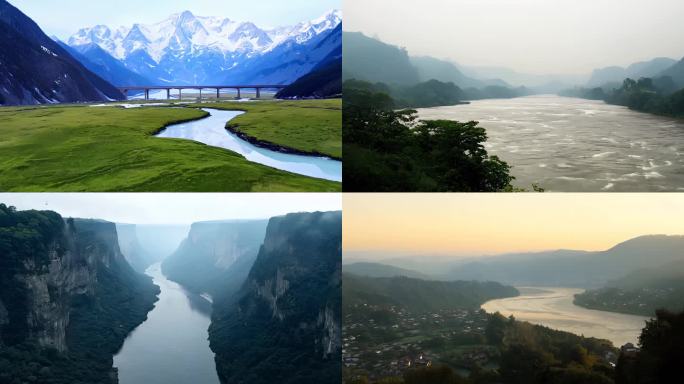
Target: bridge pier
{"x": 168, "y": 88}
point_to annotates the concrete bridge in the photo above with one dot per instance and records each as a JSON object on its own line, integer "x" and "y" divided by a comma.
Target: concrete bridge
{"x": 180, "y": 89}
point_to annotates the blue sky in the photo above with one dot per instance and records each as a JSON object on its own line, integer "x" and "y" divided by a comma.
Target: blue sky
{"x": 64, "y": 17}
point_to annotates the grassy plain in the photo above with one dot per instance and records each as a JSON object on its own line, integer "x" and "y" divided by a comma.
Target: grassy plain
{"x": 81, "y": 148}
{"x": 310, "y": 126}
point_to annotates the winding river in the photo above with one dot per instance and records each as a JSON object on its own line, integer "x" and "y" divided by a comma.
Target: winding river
{"x": 171, "y": 346}
{"x": 577, "y": 145}
{"x": 212, "y": 131}
{"x": 553, "y": 307}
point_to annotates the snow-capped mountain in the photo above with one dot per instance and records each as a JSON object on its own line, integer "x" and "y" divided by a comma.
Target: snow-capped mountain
{"x": 189, "y": 49}
{"x": 34, "y": 69}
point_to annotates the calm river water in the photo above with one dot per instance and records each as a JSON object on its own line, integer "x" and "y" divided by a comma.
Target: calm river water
{"x": 577, "y": 145}
{"x": 172, "y": 346}
{"x": 212, "y": 131}
{"x": 553, "y": 307}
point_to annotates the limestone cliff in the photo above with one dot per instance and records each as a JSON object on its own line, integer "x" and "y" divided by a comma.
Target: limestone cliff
{"x": 216, "y": 256}
{"x": 66, "y": 287}
{"x": 288, "y": 306}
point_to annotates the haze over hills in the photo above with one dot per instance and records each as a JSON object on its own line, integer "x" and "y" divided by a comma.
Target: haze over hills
{"x": 615, "y": 74}
{"x": 570, "y": 268}
{"x": 396, "y": 66}
{"x": 35, "y": 70}
{"x": 189, "y": 49}
{"x": 216, "y": 257}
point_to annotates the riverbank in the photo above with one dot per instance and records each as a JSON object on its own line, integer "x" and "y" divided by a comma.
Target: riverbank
{"x": 574, "y": 145}
{"x": 171, "y": 346}
{"x": 304, "y": 127}
{"x": 80, "y": 148}
{"x": 553, "y": 307}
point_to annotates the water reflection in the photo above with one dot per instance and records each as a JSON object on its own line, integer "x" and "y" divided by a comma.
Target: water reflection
{"x": 172, "y": 346}
{"x": 211, "y": 131}
{"x": 553, "y": 307}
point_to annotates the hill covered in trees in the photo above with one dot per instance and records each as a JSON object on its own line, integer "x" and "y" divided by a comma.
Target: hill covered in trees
{"x": 68, "y": 298}
{"x": 410, "y": 331}
{"x": 419, "y": 295}
{"x": 641, "y": 292}
{"x": 388, "y": 150}
{"x": 415, "y": 82}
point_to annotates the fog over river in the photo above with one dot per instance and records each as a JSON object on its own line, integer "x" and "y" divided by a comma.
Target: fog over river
{"x": 577, "y": 145}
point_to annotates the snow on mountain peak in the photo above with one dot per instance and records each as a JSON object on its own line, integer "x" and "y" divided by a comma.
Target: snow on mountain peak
{"x": 184, "y": 33}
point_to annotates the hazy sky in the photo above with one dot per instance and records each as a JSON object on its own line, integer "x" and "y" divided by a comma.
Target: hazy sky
{"x": 533, "y": 36}
{"x": 64, "y": 17}
{"x": 173, "y": 208}
{"x": 485, "y": 224}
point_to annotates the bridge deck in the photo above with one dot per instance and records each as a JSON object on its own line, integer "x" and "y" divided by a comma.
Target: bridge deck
{"x": 180, "y": 89}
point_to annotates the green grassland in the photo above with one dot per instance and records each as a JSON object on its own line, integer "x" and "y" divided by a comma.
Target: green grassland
{"x": 79, "y": 148}
{"x": 310, "y": 126}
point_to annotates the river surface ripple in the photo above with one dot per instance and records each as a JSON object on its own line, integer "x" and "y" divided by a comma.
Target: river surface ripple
{"x": 576, "y": 145}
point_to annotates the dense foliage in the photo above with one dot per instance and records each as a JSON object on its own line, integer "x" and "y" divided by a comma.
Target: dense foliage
{"x": 98, "y": 321}
{"x": 661, "y": 355}
{"x": 658, "y": 96}
{"x": 389, "y": 150}
{"x": 420, "y": 295}
{"x": 274, "y": 329}
{"x": 390, "y": 320}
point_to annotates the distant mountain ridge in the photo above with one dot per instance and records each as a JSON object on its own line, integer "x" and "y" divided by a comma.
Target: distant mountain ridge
{"x": 36, "y": 70}
{"x": 616, "y": 74}
{"x": 189, "y": 49}
{"x": 574, "y": 268}
{"x": 368, "y": 269}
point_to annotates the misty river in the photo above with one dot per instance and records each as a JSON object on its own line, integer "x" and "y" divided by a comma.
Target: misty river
{"x": 577, "y": 145}
{"x": 171, "y": 346}
{"x": 553, "y": 307}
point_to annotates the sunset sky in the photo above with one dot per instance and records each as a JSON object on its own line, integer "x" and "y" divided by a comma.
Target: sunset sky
{"x": 387, "y": 225}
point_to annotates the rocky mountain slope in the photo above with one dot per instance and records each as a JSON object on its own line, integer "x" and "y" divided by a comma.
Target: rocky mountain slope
{"x": 216, "y": 257}
{"x": 190, "y": 49}
{"x": 68, "y": 298}
{"x": 284, "y": 324}
{"x": 35, "y": 70}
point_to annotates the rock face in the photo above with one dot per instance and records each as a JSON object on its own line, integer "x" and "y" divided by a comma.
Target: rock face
{"x": 66, "y": 287}
{"x": 216, "y": 257}
{"x": 290, "y": 305}
{"x": 190, "y": 49}
{"x": 35, "y": 70}
{"x": 137, "y": 256}
{"x": 323, "y": 82}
